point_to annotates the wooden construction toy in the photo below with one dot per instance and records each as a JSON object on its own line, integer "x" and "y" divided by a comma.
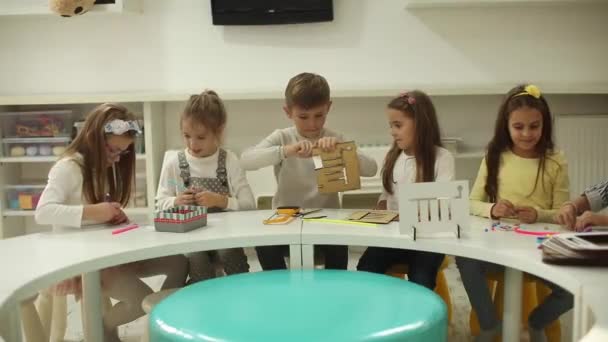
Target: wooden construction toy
{"x": 374, "y": 216}
{"x": 338, "y": 170}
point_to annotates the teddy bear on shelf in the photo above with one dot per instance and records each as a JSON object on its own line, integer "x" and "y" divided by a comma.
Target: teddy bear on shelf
{"x": 69, "y": 8}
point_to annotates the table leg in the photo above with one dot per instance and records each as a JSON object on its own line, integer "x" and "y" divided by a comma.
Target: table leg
{"x": 92, "y": 316}
{"x": 512, "y": 305}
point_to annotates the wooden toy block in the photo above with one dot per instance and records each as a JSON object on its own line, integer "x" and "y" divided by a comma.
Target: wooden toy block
{"x": 374, "y": 216}
{"x": 26, "y": 202}
{"x": 338, "y": 170}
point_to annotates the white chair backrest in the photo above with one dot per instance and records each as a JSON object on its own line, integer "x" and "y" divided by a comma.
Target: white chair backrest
{"x": 262, "y": 182}
{"x": 434, "y": 207}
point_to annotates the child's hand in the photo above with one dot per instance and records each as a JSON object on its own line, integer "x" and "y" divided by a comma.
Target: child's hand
{"x": 526, "y": 214}
{"x": 211, "y": 200}
{"x": 120, "y": 218}
{"x": 185, "y": 198}
{"x": 68, "y": 286}
{"x": 327, "y": 144}
{"x": 381, "y": 205}
{"x": 302, "y": 149}
{"x": 305, "y": 150}
{"x": 566, "y": 216}
{"x": 503, "y": 208}
{"x": 102, "y": 212}
{"x": 590, "y": 219}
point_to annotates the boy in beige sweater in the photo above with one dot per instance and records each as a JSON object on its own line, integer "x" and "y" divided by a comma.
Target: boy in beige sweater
{"x": 289, "y": 150}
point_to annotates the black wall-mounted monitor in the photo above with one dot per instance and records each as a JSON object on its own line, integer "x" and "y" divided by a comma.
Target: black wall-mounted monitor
{"x": 270, "y": 12}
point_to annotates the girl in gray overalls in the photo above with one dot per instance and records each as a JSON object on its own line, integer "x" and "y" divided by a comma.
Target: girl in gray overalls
{"x": 205, "y": 174}
{"x": 201, "y": 264}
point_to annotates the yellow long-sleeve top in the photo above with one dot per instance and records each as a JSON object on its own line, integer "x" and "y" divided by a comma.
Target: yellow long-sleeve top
{"x": 516, "y": 178}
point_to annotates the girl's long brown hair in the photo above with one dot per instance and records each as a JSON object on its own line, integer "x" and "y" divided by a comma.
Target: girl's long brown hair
{"x": 91, "y": 143}
{"x": 418, "y": 106}
{"x": 502, "y": 139}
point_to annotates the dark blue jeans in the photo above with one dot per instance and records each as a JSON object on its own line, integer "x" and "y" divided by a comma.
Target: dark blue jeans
{"x": 473, "y": 273}
{"x": 272, "y": 257}
{"x": 422, "y": 266}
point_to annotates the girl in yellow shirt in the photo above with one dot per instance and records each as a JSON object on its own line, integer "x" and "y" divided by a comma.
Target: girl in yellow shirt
{"x": 522, "y": 177}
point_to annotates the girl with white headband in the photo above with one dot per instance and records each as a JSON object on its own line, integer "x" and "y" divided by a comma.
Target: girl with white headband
{"x": 90, "y": 184}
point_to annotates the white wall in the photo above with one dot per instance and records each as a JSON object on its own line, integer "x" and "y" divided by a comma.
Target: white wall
{"x": 371, "y": 44}
{"x": 363, "y": 119}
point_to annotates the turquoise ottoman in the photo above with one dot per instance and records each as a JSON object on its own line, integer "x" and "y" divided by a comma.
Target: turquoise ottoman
{"x": 301, "y": 305}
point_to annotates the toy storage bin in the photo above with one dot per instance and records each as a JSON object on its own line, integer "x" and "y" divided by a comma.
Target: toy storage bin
{"x": 46, "y": 123}
{"x": 180, "y": 219}
{"x": 23, "y": 197}
{"x": 34, "y": 147}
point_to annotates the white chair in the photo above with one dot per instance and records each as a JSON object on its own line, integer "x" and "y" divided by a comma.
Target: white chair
{"x": 47, "y": 321}
{"x": 434, "y": 208}
{"x": 262, "y": 183}
{"x": 33, "y": 329}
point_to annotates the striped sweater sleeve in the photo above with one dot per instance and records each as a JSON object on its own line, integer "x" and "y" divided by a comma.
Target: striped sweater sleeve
{"x": 597, "y": 196}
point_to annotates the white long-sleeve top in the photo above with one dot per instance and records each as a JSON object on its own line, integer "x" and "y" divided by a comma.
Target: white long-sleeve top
{"x": 171, "y": 184}
{"x": 296, "y": 177}
{"x": 62, "y": 203}
{"x": 405, "y": 172}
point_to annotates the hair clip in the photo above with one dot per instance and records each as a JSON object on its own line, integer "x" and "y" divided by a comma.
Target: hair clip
{"x": 408, "y": 97}
{"x": 120, "y": 127}
{"x": 531, "y": 90}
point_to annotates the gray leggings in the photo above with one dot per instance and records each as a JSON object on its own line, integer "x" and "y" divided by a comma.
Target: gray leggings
{"x": 473, "y": 274}
{"x": 202, "y": 267}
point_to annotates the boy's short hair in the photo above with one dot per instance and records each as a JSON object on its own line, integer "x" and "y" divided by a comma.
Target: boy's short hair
{"x": 307, "y": 90}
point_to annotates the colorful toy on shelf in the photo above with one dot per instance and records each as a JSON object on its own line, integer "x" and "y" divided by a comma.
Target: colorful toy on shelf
{"x": 14, "y": 204}
{"x": 45, "y": 150}
{"x": 41, "y": 126}
{"x": 36, "y": 150}
{"x": 24, "y": 197}
{"x": 28, "y": 201}
{"x": 31, "y": 150}
{"x": 17, "y": 151}
{"x": 35, "y": 200}
{"x": 180, "y": 219}
{"x": 58, "y": 150}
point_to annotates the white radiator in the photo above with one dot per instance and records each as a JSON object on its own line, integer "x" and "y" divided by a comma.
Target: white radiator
{"x": 584, "y": 139}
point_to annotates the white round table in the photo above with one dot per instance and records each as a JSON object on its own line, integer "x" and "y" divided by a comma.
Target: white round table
{"x": 517, "y": 252}
{"x": 33, "y": 262}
